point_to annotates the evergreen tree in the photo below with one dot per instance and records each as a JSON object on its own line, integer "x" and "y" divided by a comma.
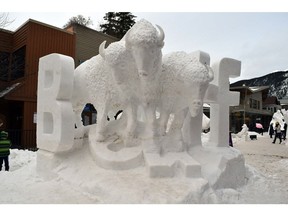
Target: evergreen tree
{"x": 110, "y": 26}
{"x": 81, "y": 20}
{"x": 117, "y": 23}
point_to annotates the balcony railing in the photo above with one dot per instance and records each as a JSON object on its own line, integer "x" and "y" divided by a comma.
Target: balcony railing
{"x": 23, "y": 139}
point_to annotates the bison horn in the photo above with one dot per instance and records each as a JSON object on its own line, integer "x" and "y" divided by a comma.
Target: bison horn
{"x": 127, "y": 39}
{"x": 102, "y": 49}
{"x": 161, "y": 34}
{"x": 210, "y": 73}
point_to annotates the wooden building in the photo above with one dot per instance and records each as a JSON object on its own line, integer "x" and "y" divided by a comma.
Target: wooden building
{"x": 251, "y": 109}
{"x": 87, "y": 46}
{"x": 88, "y": 42}
{"x": 19, "y": 57}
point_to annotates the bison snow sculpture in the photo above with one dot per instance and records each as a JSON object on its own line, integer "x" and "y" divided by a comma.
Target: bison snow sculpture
{"x": 184, "y": 81}
{"x": 130, "y": 75}
{"x": 145, "y": 45}
{"x": 94, "y": 83}
{"x": 120, "y": 63}
{"x": 124, "y": 76}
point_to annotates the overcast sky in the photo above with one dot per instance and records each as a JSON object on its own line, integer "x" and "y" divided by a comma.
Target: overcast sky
{"x": 258, "y": 39}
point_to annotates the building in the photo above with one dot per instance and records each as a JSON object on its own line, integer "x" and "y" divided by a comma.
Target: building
{"x": 251, "y": 109}
{"x": 284, "y": 102}
{"x": 272, "y": 104}
{"x": 19, "y": 57}
{"x": 87, "y": 42}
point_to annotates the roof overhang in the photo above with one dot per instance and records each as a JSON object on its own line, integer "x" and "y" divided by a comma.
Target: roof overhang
{"x": 8, "y": 89}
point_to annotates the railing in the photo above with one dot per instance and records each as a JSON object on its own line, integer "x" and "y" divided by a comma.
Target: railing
{"x": 248, "y": 109}
{"x": 23, "y": 139}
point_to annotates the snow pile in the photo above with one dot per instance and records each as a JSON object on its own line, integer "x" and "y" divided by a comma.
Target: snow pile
{"x": 266, "y": 180}
{"x": 20, "y": 158}
{"x": 23, "y": 185}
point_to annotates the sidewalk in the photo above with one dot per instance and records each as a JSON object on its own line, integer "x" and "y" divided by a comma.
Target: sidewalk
{"x": 271, "y": 162}
{"x": 262, "y": 146}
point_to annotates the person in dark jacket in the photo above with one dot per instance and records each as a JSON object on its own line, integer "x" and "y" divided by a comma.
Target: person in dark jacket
{"x": 5, "y": 145}
{"x": 285, "y": 131}
{"x": 271, "y": 130}
{"x": 278, "y": 133}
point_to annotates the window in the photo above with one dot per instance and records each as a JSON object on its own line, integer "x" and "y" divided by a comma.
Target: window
{"x": 254, "y": 104}
{"x": 4, "y": 66}
{"x": 18, "y": 63}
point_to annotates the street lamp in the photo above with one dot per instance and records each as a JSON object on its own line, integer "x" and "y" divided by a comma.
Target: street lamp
{"x": 245, "y": 102}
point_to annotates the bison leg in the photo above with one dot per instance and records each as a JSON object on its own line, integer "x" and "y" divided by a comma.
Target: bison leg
{"x": 131, "y": 126}
{"x": 177, "y": 124}
{"x": 101, "y": 123}
{"x": 78, "y": 118}
{"x": 131, "y": 120}
{"x": 163, "y": 121}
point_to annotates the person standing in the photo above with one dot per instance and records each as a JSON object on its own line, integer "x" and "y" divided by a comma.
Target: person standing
{"x": 271, "y": 130}
{"x": 278, "y": 132}
{"x": 5, "y": 145}
{"x": 285, "y": 131}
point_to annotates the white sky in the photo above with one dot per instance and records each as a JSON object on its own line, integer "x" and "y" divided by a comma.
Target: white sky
{"x": 256, "y": 34}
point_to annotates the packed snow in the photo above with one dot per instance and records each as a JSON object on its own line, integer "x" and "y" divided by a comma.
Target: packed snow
{"x": 267, "y": 174}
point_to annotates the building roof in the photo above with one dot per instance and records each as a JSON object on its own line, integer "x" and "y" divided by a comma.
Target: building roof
{"x": 8, "y": 89}
{"x": 284, "y": 101}
{"x": 76, "y": 25}
{"x": 271, "y": 100}
{"x": 6, "y": 31}
{"x": 43, "y": 24}
{"x": 252, "y": 89}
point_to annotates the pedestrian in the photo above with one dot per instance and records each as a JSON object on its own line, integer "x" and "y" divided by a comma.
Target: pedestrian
{"x": 271, "y": 130}
{"x": 5, "y": 145}
{"x": 278, "y": 133}
{"x": 285, "y": 131}
{"x": 260, "y": 128}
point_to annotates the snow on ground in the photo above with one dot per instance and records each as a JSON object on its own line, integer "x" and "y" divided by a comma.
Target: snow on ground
{"x": 267, "y": 174}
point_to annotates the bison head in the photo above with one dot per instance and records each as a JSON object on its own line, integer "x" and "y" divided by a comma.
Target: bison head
{"x": 196, "y": 83}
{"x": 145, "y": 44}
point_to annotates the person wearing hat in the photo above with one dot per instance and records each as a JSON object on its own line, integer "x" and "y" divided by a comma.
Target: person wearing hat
{"x": 5, "y": 145}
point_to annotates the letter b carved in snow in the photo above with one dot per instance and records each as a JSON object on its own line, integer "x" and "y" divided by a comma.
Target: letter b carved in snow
{"x": 55, "y": 122}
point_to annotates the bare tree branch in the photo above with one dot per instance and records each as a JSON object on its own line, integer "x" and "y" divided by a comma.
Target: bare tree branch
{"x": 4, "y": 20}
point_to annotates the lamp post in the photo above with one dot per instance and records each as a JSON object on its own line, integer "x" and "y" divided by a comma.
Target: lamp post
{"x": 245, "y": 103}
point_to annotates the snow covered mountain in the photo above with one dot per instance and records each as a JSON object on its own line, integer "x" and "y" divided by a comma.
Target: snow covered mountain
{"x": 278, "y": 82}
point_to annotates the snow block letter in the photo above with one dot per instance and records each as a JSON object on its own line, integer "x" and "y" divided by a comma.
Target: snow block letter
{"x": 219, "y": 111}
{"x": 55, "y": 121}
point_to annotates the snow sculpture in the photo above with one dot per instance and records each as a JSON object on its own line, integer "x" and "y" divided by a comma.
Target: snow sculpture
{"x": 132, "y": 76}
{"x": 55, "y": 128}
{"x": 224, "y": 69}
{"x": 121, "y": 65}
{"x": 90, "y": 77}
{"x": 278, "y": 117}
{"x": 243, "y": 132}
{"x": 145, "y": 44}
{"x": 184, "y": 81}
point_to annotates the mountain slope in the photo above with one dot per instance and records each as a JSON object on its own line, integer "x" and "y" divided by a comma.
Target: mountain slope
{"x": 278, "y": 82}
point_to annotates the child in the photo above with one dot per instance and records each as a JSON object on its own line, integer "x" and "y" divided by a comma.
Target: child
{"x": 5, "y": 145}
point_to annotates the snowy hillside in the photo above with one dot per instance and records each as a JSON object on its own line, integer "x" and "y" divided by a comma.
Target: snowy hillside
{"x": 278, "y": 82}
